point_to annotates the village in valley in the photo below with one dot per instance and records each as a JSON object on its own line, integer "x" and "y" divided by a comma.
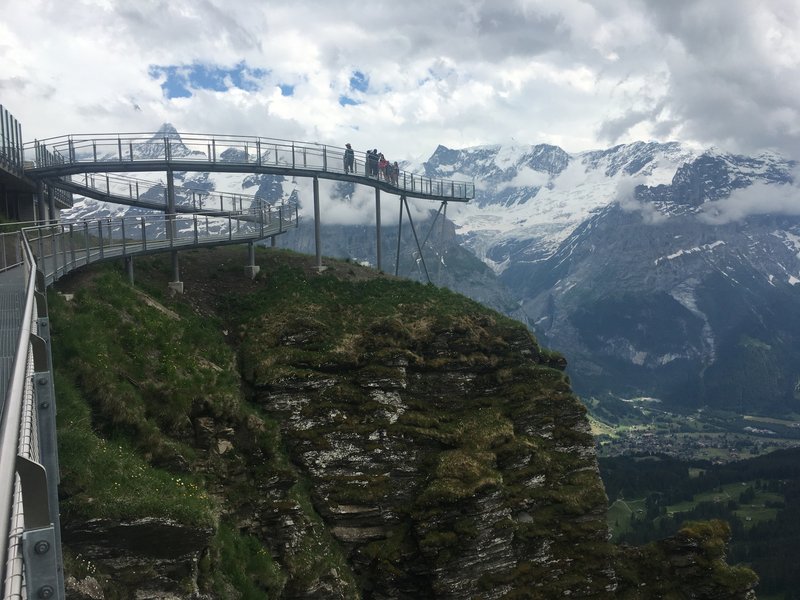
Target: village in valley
{"x": 713, "y": 435}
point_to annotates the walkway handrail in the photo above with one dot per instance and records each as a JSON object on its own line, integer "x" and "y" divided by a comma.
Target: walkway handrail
{"x": 13, "y": 429}
{"x": 67, "y": 245}
{"x": 62, "y": 155}
{"x": 132, "y": 190}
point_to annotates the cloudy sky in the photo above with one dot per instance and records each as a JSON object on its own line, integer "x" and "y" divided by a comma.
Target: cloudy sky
{"x": 407, "y": 76}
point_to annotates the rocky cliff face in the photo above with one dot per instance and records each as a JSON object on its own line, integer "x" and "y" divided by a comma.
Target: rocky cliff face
{"x": 445, "y": 455}
{"x": 389, "y": 440}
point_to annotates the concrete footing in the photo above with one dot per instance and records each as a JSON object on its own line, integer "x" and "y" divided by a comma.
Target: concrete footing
{"x": 251, "y": 271}
{"x": 176, "y": 287}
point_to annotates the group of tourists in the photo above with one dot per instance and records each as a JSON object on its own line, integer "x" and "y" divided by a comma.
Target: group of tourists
{"x": 375, "y": 166}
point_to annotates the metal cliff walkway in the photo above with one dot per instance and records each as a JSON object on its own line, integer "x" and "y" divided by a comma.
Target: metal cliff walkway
{"x": 32, "y": 257}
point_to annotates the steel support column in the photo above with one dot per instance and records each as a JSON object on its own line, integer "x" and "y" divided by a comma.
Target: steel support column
{"x": 378, "y": 228}
{"x": 39, "y": 213}
{"x": 416, "y": 239}
{"x": 443, "y": 248}
{"x": 399, "y": 236}
{"x": 317, "y": 237}
{"x": 176, "y": 285}
{"x": 251, "y": 269}
{"x": 51, "y": 203}
{"x": 129, "y": 268}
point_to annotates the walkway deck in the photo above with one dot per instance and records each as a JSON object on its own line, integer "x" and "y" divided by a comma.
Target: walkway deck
{"x": 12, "y": 305}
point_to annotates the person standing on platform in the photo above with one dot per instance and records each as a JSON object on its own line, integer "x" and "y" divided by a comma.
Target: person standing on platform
{"x": 349, "y": 159}
{"x": 382, "y": 162}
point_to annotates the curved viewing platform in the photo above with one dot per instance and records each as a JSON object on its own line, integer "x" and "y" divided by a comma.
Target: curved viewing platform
{"x": 139, "y": 152}
{"x": 154, "y": 195}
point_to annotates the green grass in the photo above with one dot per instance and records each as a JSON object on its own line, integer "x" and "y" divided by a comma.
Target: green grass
{"x": 620, "y": 513}
{"x": 247, "y": 565}
{"x": 108, "y": 479}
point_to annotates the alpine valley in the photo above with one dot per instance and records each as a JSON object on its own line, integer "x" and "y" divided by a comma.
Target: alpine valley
{"x": 660, "y": 272}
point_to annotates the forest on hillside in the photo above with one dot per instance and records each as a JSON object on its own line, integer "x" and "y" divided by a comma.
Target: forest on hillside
{"x": 650, "y": 497}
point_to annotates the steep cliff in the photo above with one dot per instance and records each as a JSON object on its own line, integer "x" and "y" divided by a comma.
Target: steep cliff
{"x": 331, "y": 435}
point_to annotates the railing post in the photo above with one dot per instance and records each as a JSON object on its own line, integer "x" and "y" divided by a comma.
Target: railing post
{"x": 258, "y": 151}
{"x": 94, "y": 150}
{"x": 72, "y": 244}
{"x": 119, "y": 148}
{"x": 122, "y": 221}
{"x": 100, "y": 240}
{"x": 196, "y": 235}
{"x": 324, "y": 158}
{"x": 276, "y": 155}
{"x": 144, "y": 234}
{"x": 213, "y": 150}
{"x": 40, "y": 244}
{"x": 86, "y": 240}
{"x": 62, "y": 237}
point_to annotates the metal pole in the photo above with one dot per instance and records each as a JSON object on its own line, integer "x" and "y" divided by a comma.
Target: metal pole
{"x": 317, "y": 242}
{"x": 399, "y": 235}
{"x": 414, "y": 231}
{"x": 51, "y": 202}
{"x": 40, "y": 203}
{"x": 444, "y": 248}
{"x": 175, "y": 284}
{"x": 170, "y": 205}
{"x": 378, "y": 227}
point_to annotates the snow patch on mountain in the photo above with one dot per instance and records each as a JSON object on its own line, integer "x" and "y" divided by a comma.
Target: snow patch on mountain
{"x": 685, "y": 295}
{"x": 695, "y": 250}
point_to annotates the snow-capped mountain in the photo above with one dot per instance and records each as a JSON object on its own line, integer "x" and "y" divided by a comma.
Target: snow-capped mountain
{"x": 529, "y": 199}
{"x": 656, "y": 270}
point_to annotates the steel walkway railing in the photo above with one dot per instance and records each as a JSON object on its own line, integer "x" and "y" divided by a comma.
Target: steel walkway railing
{"x": 63, "y": 247}
{"x": 144, "y": 193}
{"x": 30, "y": 543}
{"x": 114, "y": 152}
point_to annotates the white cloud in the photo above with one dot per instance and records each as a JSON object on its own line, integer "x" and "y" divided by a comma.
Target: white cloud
{"x": 579, "y": 73}
{"x": 757, "y": 199}
{"x": 626, "y": 198}
{"x": 527, "y": 177}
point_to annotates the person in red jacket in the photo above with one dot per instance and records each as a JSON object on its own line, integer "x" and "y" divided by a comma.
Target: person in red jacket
{"x": 382, "y": 162}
